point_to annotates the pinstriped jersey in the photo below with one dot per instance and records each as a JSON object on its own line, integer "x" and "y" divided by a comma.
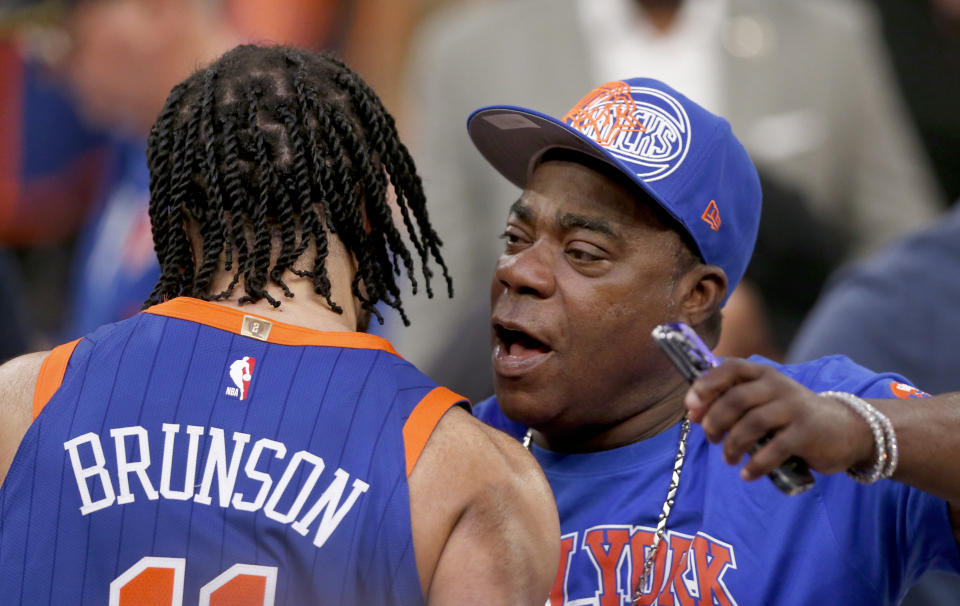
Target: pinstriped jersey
{"x": 194, "y": 454}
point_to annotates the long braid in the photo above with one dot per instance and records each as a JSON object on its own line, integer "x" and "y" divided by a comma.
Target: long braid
{"x": 282, "y": 147}
{"x": 399, "y": 164}
{"x": 381, "y": 215}
{"x": 330, "y": 205}
{"x": 381, "y": 132}
{"x": 183, "y": 202}
{"x": 375, "y": 262}
{"x": 238, "y": 197}
{"x": 255, "y": 278}
{"x": 159, "y": 154}
{"x": 169, "y": 215}
{"x": 347, "y": 213}
{"x": 297, "y": 186}
{"x": 213, "y": 228}
{"x": 315, "y": 218}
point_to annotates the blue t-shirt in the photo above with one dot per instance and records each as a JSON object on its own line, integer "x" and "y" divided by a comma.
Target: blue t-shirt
{"x": 732, "y": 542}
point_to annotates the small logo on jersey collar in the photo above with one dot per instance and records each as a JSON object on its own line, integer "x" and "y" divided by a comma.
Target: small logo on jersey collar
{"x": 645, "y": 127}
{"x": 258, "y": 328}
{"x": 241, "y": 372}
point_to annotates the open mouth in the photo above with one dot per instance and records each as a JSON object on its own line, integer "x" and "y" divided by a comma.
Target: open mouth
{"x": 518, "y": 344}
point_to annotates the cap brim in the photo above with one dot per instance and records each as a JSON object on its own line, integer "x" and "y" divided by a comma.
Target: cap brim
{"x": 514, "y": 139}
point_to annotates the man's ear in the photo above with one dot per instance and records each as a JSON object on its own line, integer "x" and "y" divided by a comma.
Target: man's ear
{"x": 700, "y": 292}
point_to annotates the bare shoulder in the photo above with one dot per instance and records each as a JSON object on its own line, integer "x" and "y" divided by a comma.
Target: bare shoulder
{"x": 480, "y": 501}
{"x": 18, "y": 377}
{"x": 486, "y": 462}
{"x": 498, "y": 456}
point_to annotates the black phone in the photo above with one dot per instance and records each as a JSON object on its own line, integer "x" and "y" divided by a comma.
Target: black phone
{"x": 693, "y": 358}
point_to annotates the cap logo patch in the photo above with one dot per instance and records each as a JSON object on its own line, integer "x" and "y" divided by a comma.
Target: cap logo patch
{"x": 904, "y": 391}
{"x": 711, "y": 215}
{"x": 646, "y": 128}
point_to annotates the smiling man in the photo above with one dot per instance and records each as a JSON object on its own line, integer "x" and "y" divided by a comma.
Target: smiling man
{"x": 641, "y": 208}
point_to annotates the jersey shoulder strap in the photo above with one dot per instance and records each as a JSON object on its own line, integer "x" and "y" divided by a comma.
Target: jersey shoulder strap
{"x": 52, "y": 370}
{"x": 423, "y": 420}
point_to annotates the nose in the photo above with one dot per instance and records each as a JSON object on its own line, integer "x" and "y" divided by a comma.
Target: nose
{"x": 527, "y": 272}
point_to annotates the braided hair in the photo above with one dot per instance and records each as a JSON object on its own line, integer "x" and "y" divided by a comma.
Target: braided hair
{"x": 269, "y": 150}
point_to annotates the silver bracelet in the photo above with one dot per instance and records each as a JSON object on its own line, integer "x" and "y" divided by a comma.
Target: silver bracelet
{"x": 884, "y": 438}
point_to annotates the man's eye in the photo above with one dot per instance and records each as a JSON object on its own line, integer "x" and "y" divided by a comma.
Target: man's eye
{"x": 510, "y": 238}
{"x": 580, "y": 254}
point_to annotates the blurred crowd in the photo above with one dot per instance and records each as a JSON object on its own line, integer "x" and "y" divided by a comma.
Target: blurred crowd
{"x": 848, "y": 108}
{"x": 80, "y": 83}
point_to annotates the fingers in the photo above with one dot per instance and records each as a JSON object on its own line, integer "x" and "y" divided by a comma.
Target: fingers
{"x": 728, "y": 409}
{"x": 770, "y": 456}
{"x": 739, "y": 403}
{"x": 718, "y": 381}
{"x": 755, "y": 425}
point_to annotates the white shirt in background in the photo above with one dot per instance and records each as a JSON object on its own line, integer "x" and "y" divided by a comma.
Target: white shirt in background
{"x": 688, "y": 56}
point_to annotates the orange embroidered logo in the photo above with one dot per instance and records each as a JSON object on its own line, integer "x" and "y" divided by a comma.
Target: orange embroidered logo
{"x": 712, "y": 216}
{"x": 904, "y": 391}
{"x": 608, "y": 111}
{"x": 643, "y": 126}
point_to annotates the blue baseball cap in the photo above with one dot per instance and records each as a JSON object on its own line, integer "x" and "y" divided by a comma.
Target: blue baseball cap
{"x": 685, "y": 157}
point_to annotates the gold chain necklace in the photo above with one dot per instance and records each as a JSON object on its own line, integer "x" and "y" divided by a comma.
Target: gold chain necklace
{"x": 664, "y": 513}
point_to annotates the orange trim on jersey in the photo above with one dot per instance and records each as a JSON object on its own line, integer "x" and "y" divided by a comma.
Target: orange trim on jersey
{"x": 423, "y": 420}
{"x": 51, "y": 375}
{"x": 230, "y": 319}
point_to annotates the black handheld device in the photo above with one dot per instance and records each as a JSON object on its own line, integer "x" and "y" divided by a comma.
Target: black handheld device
{"x": 692, "y": 358}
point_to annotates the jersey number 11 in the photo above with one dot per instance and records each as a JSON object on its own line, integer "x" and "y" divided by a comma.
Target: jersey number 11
{"x": 157, "y": 581}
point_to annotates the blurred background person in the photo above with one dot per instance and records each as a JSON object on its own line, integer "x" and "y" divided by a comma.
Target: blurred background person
{"x": 923, "y": 39}
{"x": 83, "y": 80}
{"x": 898, "y": 310}
{"x": 124, "y": 57}
{"x": 371, "y": 35}
{"x": 116, "y": 59}
{"x": 16, "y": 334}
{"x": 807, "y": 88}
{"x": 50, "y": 167}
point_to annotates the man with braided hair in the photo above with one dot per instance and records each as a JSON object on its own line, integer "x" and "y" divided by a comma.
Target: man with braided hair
{"x": 240, "y": 441}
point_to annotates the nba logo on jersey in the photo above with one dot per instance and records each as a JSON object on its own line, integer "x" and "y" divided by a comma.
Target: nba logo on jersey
{"x": 241, "y": 371}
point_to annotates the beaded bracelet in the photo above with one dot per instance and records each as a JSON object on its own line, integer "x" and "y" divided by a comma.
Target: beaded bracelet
{"x": 884, "y": 438}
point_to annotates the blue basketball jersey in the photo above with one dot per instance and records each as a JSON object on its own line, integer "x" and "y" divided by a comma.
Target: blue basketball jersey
{"x": 731, "y": 542}
{"x": 194, "y": 454}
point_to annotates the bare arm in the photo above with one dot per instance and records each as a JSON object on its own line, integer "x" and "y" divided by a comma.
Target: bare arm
{"x": 739, "y": 402}
{"x": 18, "y": 377}
{"x": 928, "y": 433}
{"x": 484, "y": 521}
